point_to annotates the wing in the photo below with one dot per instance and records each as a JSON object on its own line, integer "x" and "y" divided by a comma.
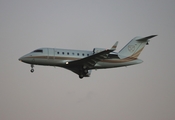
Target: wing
{"x": 83, "y": 66}
{"x": 88, "y": 63}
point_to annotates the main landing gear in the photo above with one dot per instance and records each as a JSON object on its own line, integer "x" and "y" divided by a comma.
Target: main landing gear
{"x": 81, "y": 76}
{"x": 83, "y": 72}
{"x": 32, "y": 70}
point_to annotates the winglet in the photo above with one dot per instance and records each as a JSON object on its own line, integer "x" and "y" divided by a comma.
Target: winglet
{"x": 114, "y": 46}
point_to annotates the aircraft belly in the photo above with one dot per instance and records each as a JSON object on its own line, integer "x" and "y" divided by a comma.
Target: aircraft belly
{"x": 116, "y": 63}
{"x": 107, "y": 65}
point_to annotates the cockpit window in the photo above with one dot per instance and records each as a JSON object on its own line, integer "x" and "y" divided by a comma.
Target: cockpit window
{"x": 38, "y": 51}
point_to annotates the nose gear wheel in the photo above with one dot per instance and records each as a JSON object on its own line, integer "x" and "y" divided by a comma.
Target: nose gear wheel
{"x": 32, "y": 70}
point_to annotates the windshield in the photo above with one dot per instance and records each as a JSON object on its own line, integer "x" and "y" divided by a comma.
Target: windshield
{"x": 39, "y": 50}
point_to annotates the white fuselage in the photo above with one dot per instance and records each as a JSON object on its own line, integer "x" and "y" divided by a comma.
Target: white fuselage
{"x": 59, "y": 57}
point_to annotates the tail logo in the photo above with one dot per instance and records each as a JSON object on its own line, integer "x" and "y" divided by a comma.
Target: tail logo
{"x": 131, "y": 48}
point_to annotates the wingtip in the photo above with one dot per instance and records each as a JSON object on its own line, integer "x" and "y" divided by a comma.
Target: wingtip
{"x": 114, "y": 46}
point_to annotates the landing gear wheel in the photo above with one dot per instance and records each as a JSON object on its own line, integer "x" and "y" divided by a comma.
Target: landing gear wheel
{"x": 85, "y": 71}
{"x": 81, "y": 76}
{"x": 32, "y": 70}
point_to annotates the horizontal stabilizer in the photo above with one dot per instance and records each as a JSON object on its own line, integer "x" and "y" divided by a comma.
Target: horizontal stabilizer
{"x": 146, "y": 38}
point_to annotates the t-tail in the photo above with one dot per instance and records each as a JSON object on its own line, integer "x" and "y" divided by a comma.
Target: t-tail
{"x": 134, "y": 47}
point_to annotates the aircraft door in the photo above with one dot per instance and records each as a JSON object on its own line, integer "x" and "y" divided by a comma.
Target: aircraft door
{"x": 51, "y": 54}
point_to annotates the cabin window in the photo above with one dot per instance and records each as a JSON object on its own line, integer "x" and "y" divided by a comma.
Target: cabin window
{"x": 38, "y": 51}
{"x": 58, "y": 52}
{"x": 72, "y": 53}
{"x": 67, "y": 53}
{"x": 78, "y": 54}
{"x": 63, "y": 53}
{"x": 83, "y": 54}
{"x": 87, "y": 54}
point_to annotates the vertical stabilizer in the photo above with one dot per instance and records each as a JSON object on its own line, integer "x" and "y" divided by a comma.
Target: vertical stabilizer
{"x": 134, "y": 47}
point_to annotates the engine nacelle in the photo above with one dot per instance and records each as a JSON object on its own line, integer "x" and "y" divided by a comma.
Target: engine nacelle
{"x": 97, "y": 50}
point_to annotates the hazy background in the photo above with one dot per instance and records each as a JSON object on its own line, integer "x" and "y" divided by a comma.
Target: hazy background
{"x": 141, "y": 92}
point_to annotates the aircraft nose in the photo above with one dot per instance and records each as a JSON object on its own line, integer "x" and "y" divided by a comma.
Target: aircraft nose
{"x": 26, "y": 58}
{"x": 21, "y": 58}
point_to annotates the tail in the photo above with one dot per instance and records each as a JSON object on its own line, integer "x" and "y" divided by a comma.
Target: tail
{"x": 134, "y": 47}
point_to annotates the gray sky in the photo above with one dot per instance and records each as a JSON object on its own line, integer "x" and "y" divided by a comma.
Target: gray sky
{"x": 141, "y": 92}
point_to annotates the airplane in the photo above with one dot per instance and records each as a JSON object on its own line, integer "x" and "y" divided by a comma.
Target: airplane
{"x": 83, "y": 62}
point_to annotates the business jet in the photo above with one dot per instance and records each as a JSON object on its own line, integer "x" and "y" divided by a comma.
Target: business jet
{"x": 82, "y": 62}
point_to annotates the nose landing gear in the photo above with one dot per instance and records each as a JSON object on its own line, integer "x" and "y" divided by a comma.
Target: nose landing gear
{"x": 32, "y": 70}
